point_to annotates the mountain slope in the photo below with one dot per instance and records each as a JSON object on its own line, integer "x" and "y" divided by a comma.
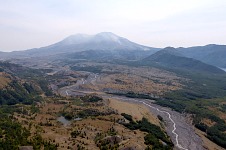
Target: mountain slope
{"x": 102, "y": 55}
{"x": 107, "y": 43}
{"x": 104, "y": 41}
{"x": 171, "y": 58}
{"x": 20, "y": 84}
{"x": 210, "y": 54}
{"x": 100, "y": 41}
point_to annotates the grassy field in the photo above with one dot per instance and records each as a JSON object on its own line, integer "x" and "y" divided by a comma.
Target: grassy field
{"x": 99, "y": 128}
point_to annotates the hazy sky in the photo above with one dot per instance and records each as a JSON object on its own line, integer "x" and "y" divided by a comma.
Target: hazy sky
{"x": 28, "y": 24}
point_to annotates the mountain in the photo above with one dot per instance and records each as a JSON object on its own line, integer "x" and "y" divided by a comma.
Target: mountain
{"x": 105, "y": 41}
{"x": 107, "y": 45}
{"x": 172, "y": 58}
{"x": 100, "y": 41}
{"x": 211, "y": 54}
{"x": 103, "y": 55}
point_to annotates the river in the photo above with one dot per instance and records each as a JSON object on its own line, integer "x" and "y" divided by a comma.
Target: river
{"x": 177, "y": 126}
{"x": 64, "y": 121}
{"x": 181, "y": 132}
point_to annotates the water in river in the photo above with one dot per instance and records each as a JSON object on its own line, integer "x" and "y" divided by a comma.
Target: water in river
{"x": 64, "y": 121}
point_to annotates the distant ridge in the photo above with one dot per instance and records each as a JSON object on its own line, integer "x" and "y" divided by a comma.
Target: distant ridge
{"x": 171, "y": 58}
{"x": 211, "y": 54}
{"x": 106, "y": 45}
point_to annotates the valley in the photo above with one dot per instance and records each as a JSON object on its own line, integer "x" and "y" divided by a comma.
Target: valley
{"x": 174, "y": 122}
{"x": 109, "y": 93}
{"x": 112, "y": 75}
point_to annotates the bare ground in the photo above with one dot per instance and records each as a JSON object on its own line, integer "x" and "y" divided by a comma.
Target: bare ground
{"x": 138, "y": 111}
{"x": 188, "y": 138}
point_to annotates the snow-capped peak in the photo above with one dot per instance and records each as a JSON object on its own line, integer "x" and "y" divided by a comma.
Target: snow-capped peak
{"x": 108, "y": 36}
{"x": 100, "y": 41}
{"x": 77, "y": 38}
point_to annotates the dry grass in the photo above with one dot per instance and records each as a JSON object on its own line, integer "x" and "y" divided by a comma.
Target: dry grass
{"x": 218, "y": 113}
{"x": 4, "y": 79}
{"x": 208, "y": 122}
{"x": 138, "y": 111}
{"x": 140, "y": 80}
{"x": 90, "y": 127}
{"x": 135, "y": 83}
{"x": 209, "y": 145}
